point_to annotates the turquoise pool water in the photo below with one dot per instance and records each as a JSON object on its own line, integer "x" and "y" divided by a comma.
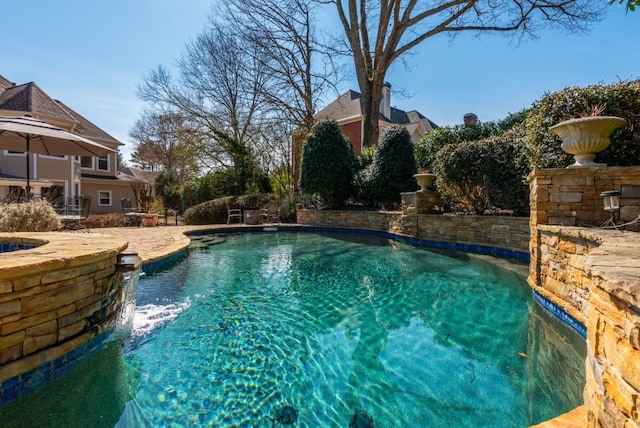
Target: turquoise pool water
{"x": 267, "y": 329}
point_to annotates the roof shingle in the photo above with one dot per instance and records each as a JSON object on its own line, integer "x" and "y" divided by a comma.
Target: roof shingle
{"x": 29, "y": 98}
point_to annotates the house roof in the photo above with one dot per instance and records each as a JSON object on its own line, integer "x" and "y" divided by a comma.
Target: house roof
{"x": 345, "y": 106}
{"x": 30, "y": 98}
{"x": 90, "y": 130}
{"x": 348, "y": 105}
{"x": 139, "y": 175}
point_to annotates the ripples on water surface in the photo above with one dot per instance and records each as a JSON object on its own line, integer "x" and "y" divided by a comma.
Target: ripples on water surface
{"x": 327, "y": 325}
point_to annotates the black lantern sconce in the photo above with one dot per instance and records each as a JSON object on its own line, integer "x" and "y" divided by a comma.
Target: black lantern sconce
{"x": 611, "y": 201}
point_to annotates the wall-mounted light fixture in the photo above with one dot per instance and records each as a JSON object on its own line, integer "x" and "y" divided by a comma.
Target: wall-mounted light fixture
{"x": 611, "y": 201}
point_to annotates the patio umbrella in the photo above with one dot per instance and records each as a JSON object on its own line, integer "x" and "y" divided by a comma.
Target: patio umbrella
{"x": 29, "y": 135}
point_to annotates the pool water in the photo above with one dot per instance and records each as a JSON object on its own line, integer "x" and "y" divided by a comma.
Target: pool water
{"x": 309, "y": 330}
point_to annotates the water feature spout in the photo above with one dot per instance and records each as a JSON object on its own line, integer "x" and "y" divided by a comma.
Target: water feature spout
{"x": 129, "y": 264}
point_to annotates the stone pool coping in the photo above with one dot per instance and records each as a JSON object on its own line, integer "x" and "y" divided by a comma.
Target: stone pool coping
{"x": 55, "y": 251}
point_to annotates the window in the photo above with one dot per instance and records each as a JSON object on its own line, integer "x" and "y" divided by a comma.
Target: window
{"x": 104, "y": 198}
{"x": 86, "y": 162}
{"x": 55, "y": 195}
{"x": 103, "y": 163}
{"x": 13, "y": 153}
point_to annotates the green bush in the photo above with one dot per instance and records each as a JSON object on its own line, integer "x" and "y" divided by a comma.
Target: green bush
{"x": 393, "y": 167}
{"x": 328, "y": 164}
{"x": 208, "y": 187}
{"x": 210, "y": 212}
{"x": 168, "y": 185}
{"x": 215, "y": 211}
{"x": 29, "y": 217}
{"x": 431, "y": 142}
{"x": 620, "y": 99}
{"x": 365, "y": 160}
{"x": 488, "y": 175}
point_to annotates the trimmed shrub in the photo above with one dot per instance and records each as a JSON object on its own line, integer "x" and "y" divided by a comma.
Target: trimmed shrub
{"x": 393, "y": 166}
{"x": 328, "y": 164}
{"x": 215, "y": 211}
{"x": 620, "y": 99}
{"x": 210, "y": 212}
{"x": 29, "y": 217}
{"x": 431, "y": 142}
{"x": 488, "y": 175}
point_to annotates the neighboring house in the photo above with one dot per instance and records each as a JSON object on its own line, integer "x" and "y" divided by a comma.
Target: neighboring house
{"x": 59, "y": 177}
{"x": 347, "y": 111}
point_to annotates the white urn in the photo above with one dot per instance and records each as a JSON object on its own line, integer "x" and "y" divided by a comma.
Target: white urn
{"x": 424, "y": 179}
{"x": 585, "y": 136}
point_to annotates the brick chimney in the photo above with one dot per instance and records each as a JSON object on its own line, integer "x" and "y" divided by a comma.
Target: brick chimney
{"x": 385, "y": 103}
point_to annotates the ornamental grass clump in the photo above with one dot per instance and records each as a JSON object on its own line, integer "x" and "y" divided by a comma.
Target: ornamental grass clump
{"x": 29, "y": 217}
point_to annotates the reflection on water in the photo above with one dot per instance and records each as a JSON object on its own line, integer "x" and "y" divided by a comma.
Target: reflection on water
{"x": 262, "y": 323}
{"x": 91, "y": 394}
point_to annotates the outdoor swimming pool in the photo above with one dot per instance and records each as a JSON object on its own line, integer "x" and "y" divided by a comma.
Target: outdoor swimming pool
{"x": 267, "y": 329}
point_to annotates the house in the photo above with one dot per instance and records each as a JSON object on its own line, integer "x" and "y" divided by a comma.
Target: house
{"x": 347, "y": 111}
{"x": 58, "y": 177}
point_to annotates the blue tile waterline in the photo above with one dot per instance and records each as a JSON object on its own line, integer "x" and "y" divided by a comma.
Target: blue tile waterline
{"x": 21, "y": 384}
{"x": 159, "y": 264}
{"x": 467, "y": 248}
{"x": 7, "y": 248}
{"x": 560, "y": 314}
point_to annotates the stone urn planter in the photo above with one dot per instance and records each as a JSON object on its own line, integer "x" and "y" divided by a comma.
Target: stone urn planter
{"x": 585, "y": 136}
{"x": 424, "y": 179}
{"x": 150, "y": 220}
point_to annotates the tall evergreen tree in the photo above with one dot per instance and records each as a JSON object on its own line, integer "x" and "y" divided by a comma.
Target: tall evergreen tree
{"x": 328, "y": 164}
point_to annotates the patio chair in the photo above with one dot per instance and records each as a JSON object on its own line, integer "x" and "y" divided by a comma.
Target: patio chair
{"x": 133, "y": 215}
{"x": 70, "y": 206}
{"x": 234, "y": 213}
{"x": 270, "y": 214}
{"x": 75, "y": 220}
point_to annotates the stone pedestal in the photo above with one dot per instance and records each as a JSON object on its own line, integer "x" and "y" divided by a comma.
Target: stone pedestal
{"x": 421, "y": 202}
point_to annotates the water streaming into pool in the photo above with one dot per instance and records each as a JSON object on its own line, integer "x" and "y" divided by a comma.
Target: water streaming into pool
{"x": 266, "y": 329}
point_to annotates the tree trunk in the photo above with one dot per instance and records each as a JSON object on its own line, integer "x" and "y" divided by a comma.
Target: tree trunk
{"x": 371, "y": 100}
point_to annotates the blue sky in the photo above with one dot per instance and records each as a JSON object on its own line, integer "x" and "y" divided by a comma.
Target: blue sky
{"x": 92, "y": 55}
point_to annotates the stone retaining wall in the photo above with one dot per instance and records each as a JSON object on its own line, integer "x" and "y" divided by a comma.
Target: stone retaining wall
{"x": 393, "y": 222}
{"x": 54, "y": 299}
{"x": 594, "y": 275}
{"x": 510, "y": 233}
{"x": 571, "y": 196}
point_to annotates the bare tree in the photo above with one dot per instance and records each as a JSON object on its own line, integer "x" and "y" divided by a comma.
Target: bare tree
{"x": 165, "y": 143}
{"x": 145, "y": 156}
{"x": 289, "y": 54}
{"x": 219, "y": 91}
{"x": 274, "y": 152}
{"x": 378, "y": 32}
